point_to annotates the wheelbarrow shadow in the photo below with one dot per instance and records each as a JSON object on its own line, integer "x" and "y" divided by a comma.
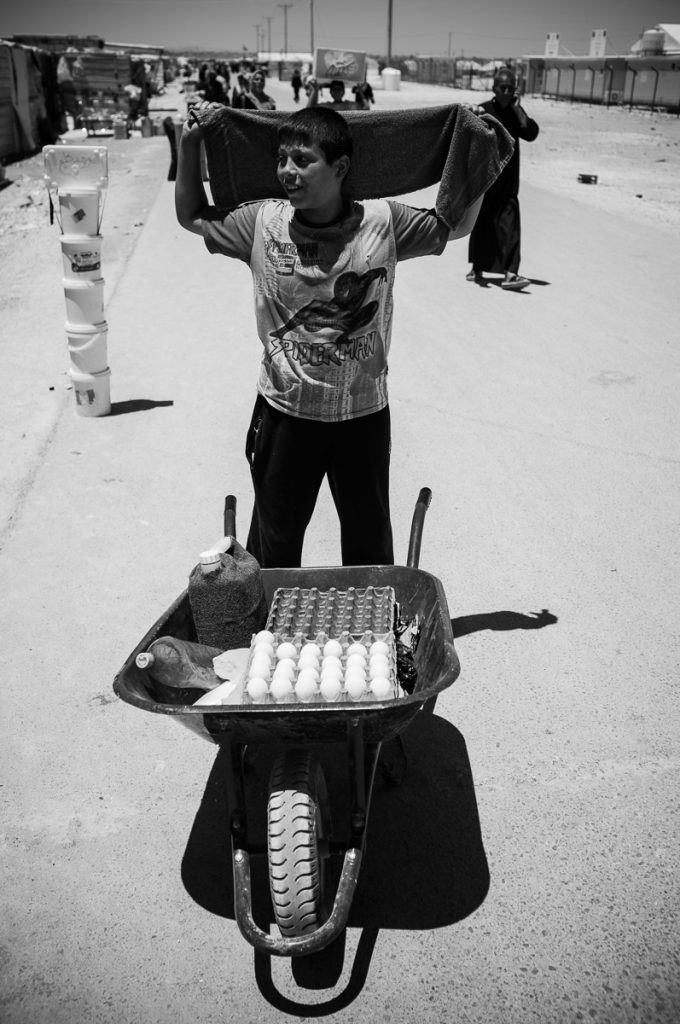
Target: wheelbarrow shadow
{"x": 424, "y": 865}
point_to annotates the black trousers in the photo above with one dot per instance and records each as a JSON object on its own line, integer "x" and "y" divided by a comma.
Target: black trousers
{"x": 289, "y": 458}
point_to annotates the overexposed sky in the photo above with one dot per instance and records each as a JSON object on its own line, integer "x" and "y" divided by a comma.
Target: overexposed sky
{"x": 485, "y": 28}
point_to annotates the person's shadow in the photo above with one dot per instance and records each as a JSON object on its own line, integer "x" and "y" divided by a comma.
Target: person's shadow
{"x": 500, "y": 621}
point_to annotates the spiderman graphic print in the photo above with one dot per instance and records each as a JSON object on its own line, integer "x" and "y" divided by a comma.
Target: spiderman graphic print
{"x": 323, "y": 299}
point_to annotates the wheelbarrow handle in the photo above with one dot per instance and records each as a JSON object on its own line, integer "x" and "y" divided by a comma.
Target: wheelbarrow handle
{"x": 230, "y": 516}
{"x": 415, "y": 539}
{"x": 300, "y": 945}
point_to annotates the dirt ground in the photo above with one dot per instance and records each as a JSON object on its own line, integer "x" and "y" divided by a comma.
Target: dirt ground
{"x": 635, "y": 155}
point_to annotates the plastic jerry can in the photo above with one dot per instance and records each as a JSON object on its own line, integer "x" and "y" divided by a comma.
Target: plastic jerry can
{"x": 226, "y": 595}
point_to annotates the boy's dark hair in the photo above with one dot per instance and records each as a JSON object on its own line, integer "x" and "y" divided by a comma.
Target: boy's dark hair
{"x": 321, "y": 126}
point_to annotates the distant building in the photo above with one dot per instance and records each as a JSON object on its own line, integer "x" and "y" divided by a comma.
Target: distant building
{"x": 647, "y": 76}
{"x": 662, "y": 39}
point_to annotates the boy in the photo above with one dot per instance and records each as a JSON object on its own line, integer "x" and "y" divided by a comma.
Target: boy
{"x": 337, "y": 100}
{"x": 323, "y": 270}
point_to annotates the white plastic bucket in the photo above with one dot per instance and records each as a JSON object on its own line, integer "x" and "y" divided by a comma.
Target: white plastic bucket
{"x": 391, "y": 79}
{"x": 84, "y": 301}
{"x": 82, "y": 256}
{"x": 87, "y": 347}
{"x": 79, "y": 212}
{"x": 92, "y": 392}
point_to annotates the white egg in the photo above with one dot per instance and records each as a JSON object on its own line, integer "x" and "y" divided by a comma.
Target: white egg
{"x": 259, "y": 668}
{"x": 265, "y": 648}
{"x": 331, "y": 670}
{"x": 357, "y": 648}
{"x": 305, "y": 689}
{"x": 331, "y": 688}
{"x": 308, "y": 660}
{"x": 356, "y": 661}
{"x": 281, "y": 687}
{"x": 309, "y": 673}
{"x": 356, "y": 687}
{"x": 380, "y": 647}
{"x": 311, "y": 648}
{"x": 333, "y": 647}
{"x": 286, "y": 650}
{"x": 264, "y": 636}
{"x": 381, "y": 687}
{"x": 379, "y": 659}
{"x": 257, "y": 689}
{"x": 331, "y": 659}
{"x": 286, "y": 668}
{"x": 380, "y": 670}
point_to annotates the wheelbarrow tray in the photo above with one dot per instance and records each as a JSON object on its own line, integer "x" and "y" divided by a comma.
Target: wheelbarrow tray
{"x": 417, "y": 593}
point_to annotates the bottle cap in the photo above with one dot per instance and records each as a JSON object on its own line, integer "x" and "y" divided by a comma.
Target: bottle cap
{"x": 212, "y": 558}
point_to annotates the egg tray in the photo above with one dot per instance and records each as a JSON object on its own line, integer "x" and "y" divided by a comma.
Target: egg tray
{"x": 333, "y": 612}
{"x": 299, "y": 641}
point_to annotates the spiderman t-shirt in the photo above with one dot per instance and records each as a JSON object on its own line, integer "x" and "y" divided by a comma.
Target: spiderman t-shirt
{"x": 323, "y": 298}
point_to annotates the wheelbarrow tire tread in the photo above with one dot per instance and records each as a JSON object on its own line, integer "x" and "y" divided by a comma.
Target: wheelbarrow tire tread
{"x": 295, "y": 816}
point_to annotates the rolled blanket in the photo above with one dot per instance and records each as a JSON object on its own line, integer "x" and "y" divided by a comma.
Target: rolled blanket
{"x": 395, "y": 152}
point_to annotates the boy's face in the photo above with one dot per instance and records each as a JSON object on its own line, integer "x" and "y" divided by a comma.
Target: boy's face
{"x": 313, "y": 185}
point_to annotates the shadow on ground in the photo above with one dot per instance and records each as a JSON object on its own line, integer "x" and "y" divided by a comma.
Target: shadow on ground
{"x": 137, "y": 405}
{"x": 499, "y": 621}
{"x": 424, "y": 864}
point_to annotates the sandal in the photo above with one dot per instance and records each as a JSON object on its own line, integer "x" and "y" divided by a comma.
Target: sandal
{"x": 515, "y": 284}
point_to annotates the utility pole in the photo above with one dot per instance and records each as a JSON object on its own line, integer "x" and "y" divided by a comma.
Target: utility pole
{"x": 311, "y": 27}
{"x": 257, "y": 38}
{"x": 389, "y": 33}
{"x": 285, "y": 26}
{"x": 269, "y": 33}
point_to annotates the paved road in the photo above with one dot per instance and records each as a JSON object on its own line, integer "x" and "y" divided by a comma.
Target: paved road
{"x": 527, "y": 870}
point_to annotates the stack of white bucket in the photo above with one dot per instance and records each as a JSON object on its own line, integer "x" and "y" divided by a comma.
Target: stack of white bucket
{"x": 76, "y": 178}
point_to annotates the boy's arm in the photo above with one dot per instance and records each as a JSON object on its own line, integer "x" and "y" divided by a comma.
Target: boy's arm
{"x": 191, "y": 202}
{"x": 313, "y": 94}
{"x": 468, "y": 221}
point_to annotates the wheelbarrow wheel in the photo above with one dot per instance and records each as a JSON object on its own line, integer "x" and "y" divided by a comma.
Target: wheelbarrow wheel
{"x": 297, "y": 831}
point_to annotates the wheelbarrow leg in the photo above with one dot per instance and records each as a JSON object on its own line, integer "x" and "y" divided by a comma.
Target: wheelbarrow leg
{"x": 238, "y": 824}
{"x": 363, "y": 758}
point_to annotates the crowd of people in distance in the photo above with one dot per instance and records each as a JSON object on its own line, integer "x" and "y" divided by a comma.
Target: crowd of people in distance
{"x": 214, "y": 85}
{"x": 242, "y": 85}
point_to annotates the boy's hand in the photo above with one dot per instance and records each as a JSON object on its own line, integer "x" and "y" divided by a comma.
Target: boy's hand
{"x": 191, "y": 128}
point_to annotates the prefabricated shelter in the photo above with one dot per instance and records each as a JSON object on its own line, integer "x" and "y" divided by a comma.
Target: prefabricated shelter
{"x": 29, "y": 117}
{"x": 648, "y": 76}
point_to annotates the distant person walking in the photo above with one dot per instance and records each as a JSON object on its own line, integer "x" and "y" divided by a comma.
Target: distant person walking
{"x": 211, "y": 89}
{"x": 494, "y": 244}
{"x": 296, "y": 82}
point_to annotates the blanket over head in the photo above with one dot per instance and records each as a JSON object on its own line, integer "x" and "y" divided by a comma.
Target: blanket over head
{"x": 395, "y": 152}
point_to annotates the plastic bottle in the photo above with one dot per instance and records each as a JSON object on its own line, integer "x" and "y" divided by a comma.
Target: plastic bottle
{"x": 180, "y": 664}
{"x": 226, "y": 595}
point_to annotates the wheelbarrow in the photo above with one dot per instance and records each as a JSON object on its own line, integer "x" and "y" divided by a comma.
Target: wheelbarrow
{"x": 298, "y": 813}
